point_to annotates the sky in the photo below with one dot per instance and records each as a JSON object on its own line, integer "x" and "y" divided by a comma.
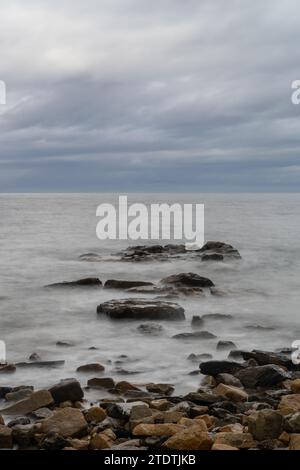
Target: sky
{"x": 139, "y": 95}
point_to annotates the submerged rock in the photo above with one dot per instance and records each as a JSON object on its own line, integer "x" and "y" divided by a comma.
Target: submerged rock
{"x": 150, "y": 329}
{"x": 121, "y": 284}
{"x": 218, "y": 251}
{"x": 223, "y": 345}
{"x": 96, "y": 367}
{"x": 195, "y": 335}
{"x": 141, "y": 309}
{"x": 187, "y": 279}
{"x": 41, "y": 364}
{"x": 87, "y": 282}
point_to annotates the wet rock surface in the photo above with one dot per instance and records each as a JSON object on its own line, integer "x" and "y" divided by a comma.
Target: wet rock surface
{"x": 141, "y": 309}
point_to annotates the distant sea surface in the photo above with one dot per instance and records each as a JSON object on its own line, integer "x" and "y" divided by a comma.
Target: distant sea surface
{"x": 42, "y": 237}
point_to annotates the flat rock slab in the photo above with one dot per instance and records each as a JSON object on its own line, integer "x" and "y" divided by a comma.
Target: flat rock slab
{"x": 141, "y": 309}
{"x": 37, "y": 400}
{"x": 87, "y": 282}
{"x": 67, "y": 422}
{"x": 122, "y": 284}
{"x": 37, "y": 364}
{"x": 195, "y": 335}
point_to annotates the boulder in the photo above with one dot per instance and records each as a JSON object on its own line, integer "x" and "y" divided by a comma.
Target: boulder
{"x": 225, "y": 345}
{"x": 101, "y": 382}
{"x": 65, "y": 390}
{"x": 24, "y": 434}
{"x": 7, "y": 368}
{"x": 19, "y": 394}
{"x": 162, "y": 389}
{"x": 293, "y": 424}
{"x": 191, "y": 438}
{"x": 6, "y": 441}
{"x": 195, "y": 335}
{"x": 219, "y": 367}
{"x": 124, "y": 386}
{"x": 264, "y": 358}
{"x": 96, "y": 367}
{"x": 294, "y": 442}
{"x": 235, "y": 439}
{"x": 158, "y": 430}
{"x": 228, "y": 379}
{"x": 67, "y": 422}
{"x": 218, "y": 251}
{"x": 150, "y": 329}
{"x": 265, "y": 424}
{"x": 187, "y": 279}
{"x": 141, "y": 309}
{"x": 117, "y": 284}
{"x": 234, "y": 394}
{"x": 87, "y": 282}
{"x": 36, "y": 400}
{"x": 289, "y": 404}
{"x": 262, "y": 376}
{"x": 95, "y": 414}
{"x": 197, "y": 321}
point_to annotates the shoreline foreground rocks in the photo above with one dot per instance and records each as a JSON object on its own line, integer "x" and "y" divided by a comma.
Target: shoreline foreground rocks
{"x": 235, "y": 408}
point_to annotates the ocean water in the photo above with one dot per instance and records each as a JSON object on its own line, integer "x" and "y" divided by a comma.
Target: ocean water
{"x": 42, "y": 237}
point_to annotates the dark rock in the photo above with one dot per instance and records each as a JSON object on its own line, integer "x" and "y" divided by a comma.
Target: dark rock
{"x": 187, "y": 279}
{"x": 22, "y": 420}
{"x": 152, "y": 252}
{"x": 215, "y": 250}
{"x": 65, "y": 390}
{"x": 87, "y": 282}
{"x": 7, "y": 368}
{"x": 219, "y": 367}
{"x": 262, "y": 376}
{"x": 4, "y": 391}
{"x": 91, "y": 368}
{"x": 235, "y": 354}
{"x": 116, "y": 411}
{"x": 117, "y": 284}
{"x": 195, "y": 335}
{"x": 42, "y": 413}
{"x": 264, "y": 358}
{"x": 293, "y": 424}
{"x": 213, "y": 257}
{"x": 53, "y": 441}
{"x": 40, "y": 364}
{"x": 34, "y": 357}
{"x": 197, "y": 321}
{"x": 19, "y": 394}
{"x": 101, "y": 382}
{"x": 228, "y": 379}
{"x": 222, "y": 345}
{"x": 141, "y": 309}
{"x": 64, "y": 344}
{"x": 202, "y": 398}
{"x": 150, "y": 329}
{"x": 23, "y": 434}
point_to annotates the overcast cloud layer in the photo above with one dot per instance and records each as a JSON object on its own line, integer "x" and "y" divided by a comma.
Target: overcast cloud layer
{"x": 139, "y": 95}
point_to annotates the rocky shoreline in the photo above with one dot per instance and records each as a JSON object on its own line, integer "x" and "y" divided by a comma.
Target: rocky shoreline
{"x": 249, "y": 401}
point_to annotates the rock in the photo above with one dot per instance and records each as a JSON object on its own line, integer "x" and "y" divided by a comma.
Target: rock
{"x": 67, "y": 389}
{"x": 102, "y": 440}
{"x": 4, "y": 391}
{"x": 19, "y": 394}
{"x": 152, "y": 252}
{"x": 14, "y": 422}
{"x": 150, "y": 329}
{"x": 174, "y": 417}
{"x": 161, "y": 404}
{"x": 187, "y": 279}
{"x": 87, "y": 282}
{"x": 64, "y": 344}
{"x": 195, "y": 335}
{"x": 54, "y": 442}
{"x": 28, "y": 405}
{"x": 235, "y": 427}
{"x": 6, "y": 441}
{"x": 234, "y": 394}
{"x": 218, "y": 251}
{"x": 217, "y": 316}
{"x": 191, "y": 438}
{"x": 228, "y": 379}
{"x": 219, "y": 367}
{"x": 141, "y": 309}
{"x": 262, "y": 376}
{"x": 67, "y": 422}
{"x": 39, "y": 364}
{"x": 34, "y": 357}
{"x": 294, "y": 442}
{"x": 23, "y": 435}
{"x": 265, "y": 424}
{"x": 223, "y": 345}
{"x": 159, "y": 430}
{"x": 95, "y": 414}
{"x": 96, "y": 367}
{"x": 162, "y": 389}
{"x": 197, "y": 321}
{"x": 293, "y": 424}
{"x": 289, "y": 404}
{"x": 79, "y": 444}
{"x": 235, "y": 439}
{"x": 4, "y": 368}
{"x": 41, "y": 413}
{"x": 258, "y": 328}
{"x": 295, "y": 386}
{"x": 123, "y": 387}
{"x": 202, "y": 398}
{"x": 101, "y": 382}
{"x": 264, "y": 358}
{"x": 115, "y": 284}
{"x": 223, "y": 447}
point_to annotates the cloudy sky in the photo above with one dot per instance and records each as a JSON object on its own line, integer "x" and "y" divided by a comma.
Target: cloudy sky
{"x": 140, "y": 95}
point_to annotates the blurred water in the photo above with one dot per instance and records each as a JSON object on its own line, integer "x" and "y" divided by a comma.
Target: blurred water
{"x": 42, "y": 237}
